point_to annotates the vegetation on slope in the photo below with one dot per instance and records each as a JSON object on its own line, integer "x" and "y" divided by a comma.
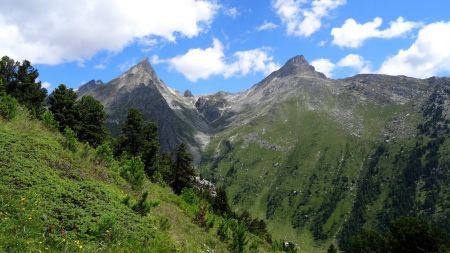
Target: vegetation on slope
{"x": 59, "y": 195}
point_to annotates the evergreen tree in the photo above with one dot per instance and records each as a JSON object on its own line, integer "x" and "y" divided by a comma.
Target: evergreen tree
{"x": 21, "y": 83}
{"x": 182, "y": 173}
{"x": 164, "y": 167}
{"x": 220, "y": 202}
{"x": 8, "y": 69}
{"x": 240, "y": 240}
{"x": 150, "y": 150}
{"x": 132, "y": 138}
{"x": 90, "y": 125}
{"x": 132, "y": 169}
{"x": 62, "y": 105}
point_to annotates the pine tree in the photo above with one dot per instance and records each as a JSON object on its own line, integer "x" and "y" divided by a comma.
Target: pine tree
{"x": 90, "y": 125}
{"x": 132, "y": 138}
{"x": 150, "y": 150}
{"x": 62, "y": 105}
{"x": 240, "y": 240}
{"x": 220, "y": 202}
{"x": 182, "y": 173}
{"x": 21, "y": 83}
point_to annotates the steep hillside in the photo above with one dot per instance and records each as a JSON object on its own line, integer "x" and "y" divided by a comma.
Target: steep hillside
{"x": 55, "y": 200}
{"x": 301, "y": 159}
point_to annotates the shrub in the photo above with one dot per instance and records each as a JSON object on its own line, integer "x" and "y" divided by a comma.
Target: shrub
{"x": 49, "y": 121}
{"x": 8, "y": 107}
{"x": 108, "y": 229}
{"x": 143, "y": 207}
{"x": 133, "y": 171}
{"x": 70, "y": 140}
{"x": 240, "y": 241}
{"x": 104, "y": 154}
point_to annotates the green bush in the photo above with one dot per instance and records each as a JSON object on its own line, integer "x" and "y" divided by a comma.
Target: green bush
{"x": 104, "y": 154}
{"x": 108, "y": 229}
{"x": 70, "y": 140}
{"x": 143, "y": 207}
{"x": 8, "y": 107}
{"x": 239, "y": 241}
{"x": 133, "y": 171}
{"x": 49, "y": 120}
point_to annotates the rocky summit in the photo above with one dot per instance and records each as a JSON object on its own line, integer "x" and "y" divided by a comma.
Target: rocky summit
{"x": 317, "y": 158}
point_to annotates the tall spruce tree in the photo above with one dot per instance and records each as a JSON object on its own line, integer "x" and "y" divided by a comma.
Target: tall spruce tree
{"x": 183, "y": 172}
{"x": 132, "y": 139}
{"x": 90, "y": 125}
{"x": 150, "y": 150}
{"x": 62, "y": 105}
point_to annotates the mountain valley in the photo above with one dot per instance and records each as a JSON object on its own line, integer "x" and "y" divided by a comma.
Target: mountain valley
{"x": 317, "y": 158}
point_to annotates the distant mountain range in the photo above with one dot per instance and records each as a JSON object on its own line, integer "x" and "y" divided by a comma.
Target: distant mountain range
{"x": 317, "y": 158}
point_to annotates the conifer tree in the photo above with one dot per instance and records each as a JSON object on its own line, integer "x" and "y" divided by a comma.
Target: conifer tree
{"x": 20, "y": 81}
{"x": 132, "y": 138}
{"x": 150, "y": 149}
{"x": 183, "y": 172}
{"x": 62, "y": 105}
{"x": 90, "y": 125}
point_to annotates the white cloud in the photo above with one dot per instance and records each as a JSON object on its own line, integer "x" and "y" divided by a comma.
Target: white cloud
{"x": 52, "y": 32}
{"x": 353, "y": 61}
{"x": 201, "y": 63}
{"x": 352, "y": 34}
{"x": 427, "y": 56}
{"x": 324, "y": 66}
{"x": 232, "y": 12}
{"x": 302, "y": 21}
{"x": 267, "y": 26}
{"x": 100, "y": 66}
{"x": 46, "y": 85}
{"x": 322, "y": 43}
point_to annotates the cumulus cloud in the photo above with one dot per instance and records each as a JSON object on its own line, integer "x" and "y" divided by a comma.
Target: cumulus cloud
{"x": 353, "y": 61}
{"x": 324, "y": 65}
{"x": 201, "y": 63}
{"x": 267, "y": 26}
{"x": 427, "y": 56}
{"x": 301, "y": 20}
{"x": 356, "y": 62}
{"x": 51, "y": 32}
{"x": 352, "y": 34}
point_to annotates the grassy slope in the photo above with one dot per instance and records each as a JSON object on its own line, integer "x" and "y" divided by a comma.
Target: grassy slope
{"x": 52, "y": 199}
{"x": 308, "y": 180}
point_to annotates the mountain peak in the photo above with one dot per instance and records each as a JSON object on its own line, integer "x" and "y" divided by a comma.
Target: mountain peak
{"x": 299, "y": 65}
{"x": 141, "y": 73}
{"x": 143, "y": 66}
{"x": 297, "y": 60}
{"x": 91, "y": 85}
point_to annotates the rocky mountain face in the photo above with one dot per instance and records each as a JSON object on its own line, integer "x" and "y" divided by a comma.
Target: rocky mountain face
{"x": 140, "y": 88}
{"x": 317, "y": 158}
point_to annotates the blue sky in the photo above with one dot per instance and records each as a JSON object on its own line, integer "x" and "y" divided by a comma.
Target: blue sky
{"x": 207, "y": 46}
